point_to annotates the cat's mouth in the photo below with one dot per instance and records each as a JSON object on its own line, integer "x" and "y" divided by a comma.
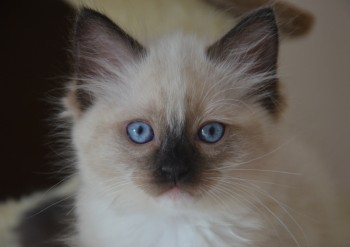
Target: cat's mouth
{"x": 177, "y": 196}
{"x": 177, "y": 190}
{"x": 175, "y": 193}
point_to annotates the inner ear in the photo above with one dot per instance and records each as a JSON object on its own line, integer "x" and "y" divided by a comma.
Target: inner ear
{"x": 100, "y": 45}
{"x": 101, "y": 50}
{"x": 252, "y": 48}
{"x": 254, "y": 42}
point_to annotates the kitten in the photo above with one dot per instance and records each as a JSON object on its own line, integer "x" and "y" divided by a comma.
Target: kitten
{"x": 179, "y": 143}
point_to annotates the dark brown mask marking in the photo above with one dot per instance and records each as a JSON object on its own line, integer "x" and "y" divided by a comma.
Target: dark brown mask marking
{"x": 176, "y": 161}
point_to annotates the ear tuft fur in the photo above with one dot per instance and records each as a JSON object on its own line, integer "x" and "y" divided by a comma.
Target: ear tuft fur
{"x": 252, "y": 46}
{"x": 101, "y": 50}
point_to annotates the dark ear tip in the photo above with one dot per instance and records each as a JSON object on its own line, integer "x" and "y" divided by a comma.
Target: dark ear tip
{"x": 82, "y": 15}
{"x": 266, "y": 13}
{"x": 86, "y": 13}
{"x": 88, "y": 18}
{"x": 262, "y": 14}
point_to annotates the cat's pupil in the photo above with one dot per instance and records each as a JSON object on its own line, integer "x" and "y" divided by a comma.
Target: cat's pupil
{"x": 212, "y": 131}
{"x": 139, "y": 130}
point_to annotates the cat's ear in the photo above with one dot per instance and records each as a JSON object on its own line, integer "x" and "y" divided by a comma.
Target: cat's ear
{"x": 101, "y": 50}
{"x": 100, "y": 45}
{"x": 252, "y": 48}
{"x": 253, "y": 41}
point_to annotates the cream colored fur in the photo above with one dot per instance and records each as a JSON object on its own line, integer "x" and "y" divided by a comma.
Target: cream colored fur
{"x": 285, "y": 189}
{"x": 267, "y": 193}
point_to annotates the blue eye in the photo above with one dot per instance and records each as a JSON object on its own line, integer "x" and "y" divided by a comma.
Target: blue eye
{"x": 140, "y": 132}
{"x": 211, "y": 132}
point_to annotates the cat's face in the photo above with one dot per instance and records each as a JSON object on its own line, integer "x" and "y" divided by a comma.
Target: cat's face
{"x": 174, "y": 120}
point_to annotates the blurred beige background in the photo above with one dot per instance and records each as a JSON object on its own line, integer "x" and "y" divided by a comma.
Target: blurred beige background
{"x": 316, "y": 71}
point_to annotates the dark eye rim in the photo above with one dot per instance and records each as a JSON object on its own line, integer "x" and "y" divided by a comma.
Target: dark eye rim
{"x": 207, "y": 123}
{"x": 139, "y": 121}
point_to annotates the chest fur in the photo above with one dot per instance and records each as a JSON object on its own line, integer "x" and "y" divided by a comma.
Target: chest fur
{"x": 99, "y": 225}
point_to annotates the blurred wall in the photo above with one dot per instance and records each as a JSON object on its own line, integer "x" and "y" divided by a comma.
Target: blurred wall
{"x": 33, "y": 61}
{"x": 316, "y": 70}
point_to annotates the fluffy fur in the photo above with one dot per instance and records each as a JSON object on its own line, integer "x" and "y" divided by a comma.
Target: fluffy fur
{"x": 255, "y": 187}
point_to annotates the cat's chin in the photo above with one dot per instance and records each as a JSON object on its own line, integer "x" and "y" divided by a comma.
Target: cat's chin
{"x": 175, "y": 193}
{"x": 176, "y": 198}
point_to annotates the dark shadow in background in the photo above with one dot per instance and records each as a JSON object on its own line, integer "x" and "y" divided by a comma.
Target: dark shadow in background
{"x": 34, "y": 59}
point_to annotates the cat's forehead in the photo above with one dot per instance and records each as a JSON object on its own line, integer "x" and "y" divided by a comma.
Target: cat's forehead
{"x": 171, "y": 68}
{"x": 177, "y": 61}
{"x": 177, "y": 83}
{"x": 177, "y": 47}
